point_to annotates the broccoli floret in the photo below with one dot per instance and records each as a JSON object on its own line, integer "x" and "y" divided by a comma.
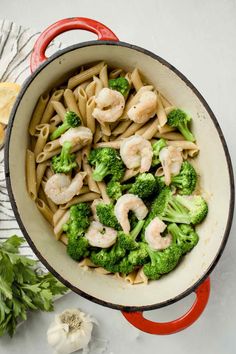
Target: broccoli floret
{"x": 125, "y": 267}
{"x": 108, "y": 257}
{"x": 127, "y": 241}
{"x": 144, "y": 186}
{"x": 179, "y": 119}
{"x": 139, "y": 256}
{"x": 107, "y": 162}
{"x": 77, "y": 247}
{"x": 106, "y": 216}
{"x": 120, "y": 84}
{"x": 177, "y": 209}
{"x": 162, "y": 262}
{"x": 71, "y": 121}
{"x": 78, "y": 221}
{"x": 65, "y": 162}
{"x": 115, "y": 189}
{"x": 156, "y": 148}
{"x": 186, "y": 180}
{"x": 185, "y": 236}
{"x": 195, "y": 205}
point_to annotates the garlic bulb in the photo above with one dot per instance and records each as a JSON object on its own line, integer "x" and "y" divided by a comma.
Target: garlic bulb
{"x": 70, "y": 331}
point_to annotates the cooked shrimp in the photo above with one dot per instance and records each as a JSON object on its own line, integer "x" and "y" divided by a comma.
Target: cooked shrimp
{"x": 171, "y": 161}
{"x": 136, "y": 151}
{"x": 101, "y": 236}
{"x": 94, "y": 207}
{"x": 126, "y": 203}
{"x": 60, "y": 188}
{"x": 145, "y": 109}
{"x": 79, "y": 135}
{"x": 109, "y": 105}
{"x": 153, "y": 235}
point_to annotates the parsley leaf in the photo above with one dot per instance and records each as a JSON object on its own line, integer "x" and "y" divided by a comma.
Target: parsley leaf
{"x": 22, "y": 289}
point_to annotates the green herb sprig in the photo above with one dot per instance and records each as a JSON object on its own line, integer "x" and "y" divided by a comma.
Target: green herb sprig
{"x": 22, "y": 289}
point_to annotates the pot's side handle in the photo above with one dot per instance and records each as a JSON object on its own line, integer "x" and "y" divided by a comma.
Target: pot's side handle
{"x": 202, "y": 296}
{"x": 68, "y": 24}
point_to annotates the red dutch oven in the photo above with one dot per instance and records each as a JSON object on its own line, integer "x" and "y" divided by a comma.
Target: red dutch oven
{"x": 193, "y": 273}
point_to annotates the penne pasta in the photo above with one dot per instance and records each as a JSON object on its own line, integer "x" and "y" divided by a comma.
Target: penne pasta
{"x": 87, "y": 197}
{"x": 103, "y": 192}
{"x": 90, "y": 120}
{"x": 113, "y": 144}
{"x": 91, "y": 183}
{"x": 161, "y": 114}
{"x": 169, "y": 136}
{"x": 136, "y": 79}
{"x": 31, "y": 174}
{"x": 44, "y": 210}
{"x": 64, "y": 239}
{"x": 151, "y": 129}
{"x": 58, "y": 215}
{"x": 46, "y": 155}
{"x": 86, "y": 262}
{"x": 60, "y": 109}
{"x": 82, "y": 100}
{"x": 101, "y": 270}
{"x": 99, "y": 85}
{"x": 58, "y": 228}
{"x": 131, "y": 130}
{"x": 97, "y": 134}
{"x": 85, "y": 75}
{"x": 121, "y": 127}
{"x": 184, "y": 144}
{"x": 71, "y": 101}
{"x": 40, "y": 170}
{"x": 165, "y": 102}
{"x": 130, "y": 278}
{"x": 166, "y": 129}
{"x": 90, "y": 89}
{"x": 42, "y": 138}
{"x": 128, "y": 78}
{"x": 38, "y": 112}
{"x": 52, "y": 145}
{"x": 54, "y": 122}
{"x": 103, "y": 76}
{"x": 33, "y": 141}
{"x": 159, "y": 172}
{"x": 141, "y": 277}
{"x": 115, "y": 73}
{"x": 49, "y": 110}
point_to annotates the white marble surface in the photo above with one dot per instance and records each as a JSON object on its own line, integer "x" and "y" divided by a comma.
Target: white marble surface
{"x": 198, "y": 37}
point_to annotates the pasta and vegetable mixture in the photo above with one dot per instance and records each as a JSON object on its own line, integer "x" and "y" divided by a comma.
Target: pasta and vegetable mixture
{"x": 109, "y": 169}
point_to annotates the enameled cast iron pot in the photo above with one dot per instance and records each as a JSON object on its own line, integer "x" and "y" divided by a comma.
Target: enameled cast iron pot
{"x": 213, "y": 164}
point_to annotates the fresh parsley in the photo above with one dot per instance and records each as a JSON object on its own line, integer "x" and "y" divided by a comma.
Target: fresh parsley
{"x": 21, "y": 287}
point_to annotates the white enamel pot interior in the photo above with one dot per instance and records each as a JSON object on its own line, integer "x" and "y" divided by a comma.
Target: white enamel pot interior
{"x": 213, "y": 164}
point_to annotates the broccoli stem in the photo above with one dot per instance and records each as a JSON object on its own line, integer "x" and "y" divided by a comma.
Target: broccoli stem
{"x": 134, "y": 233}
{"x": 66, "y": 150}
{"x": 100, "y": 172}
{"x": 186, "y": 132}
{"x": 59, "y": 131}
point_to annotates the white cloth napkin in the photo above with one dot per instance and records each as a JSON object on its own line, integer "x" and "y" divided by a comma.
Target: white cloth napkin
{"x": 16, "y": 44}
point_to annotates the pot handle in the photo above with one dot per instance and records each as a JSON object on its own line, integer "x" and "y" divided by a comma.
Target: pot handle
{"x": 68, "y": 24}
{"x": 202, "y": 295}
